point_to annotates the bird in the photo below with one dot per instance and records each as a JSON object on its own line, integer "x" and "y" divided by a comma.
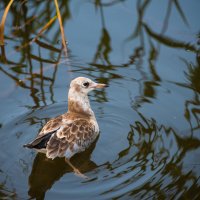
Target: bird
{"x": 74, "y": 131}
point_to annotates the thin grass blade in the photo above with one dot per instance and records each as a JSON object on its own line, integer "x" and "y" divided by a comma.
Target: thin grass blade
{"x": 45, "y": 27}
{"x": 61, "y": 27}
{"x": 3, "y": 20}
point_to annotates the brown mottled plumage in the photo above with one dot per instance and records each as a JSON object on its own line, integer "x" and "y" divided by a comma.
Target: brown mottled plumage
{"x": 73, "y": 131}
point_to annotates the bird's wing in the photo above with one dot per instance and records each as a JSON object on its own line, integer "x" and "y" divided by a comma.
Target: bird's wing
{"x": 71, "y": 138}
{"x": 40, "y": 142}
{"x": 52, "y": 125}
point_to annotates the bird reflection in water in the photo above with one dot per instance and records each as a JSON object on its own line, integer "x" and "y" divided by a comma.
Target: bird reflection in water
{"x": 45, "y": 172}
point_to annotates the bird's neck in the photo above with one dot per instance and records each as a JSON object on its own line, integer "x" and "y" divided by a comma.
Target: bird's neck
{"x": 79, "y": 103}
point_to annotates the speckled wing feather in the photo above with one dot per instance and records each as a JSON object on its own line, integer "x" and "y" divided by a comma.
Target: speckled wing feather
{"x": 71, "y": 138}
{"x": 52, "y": 125}
{"x": 40, "y": 142}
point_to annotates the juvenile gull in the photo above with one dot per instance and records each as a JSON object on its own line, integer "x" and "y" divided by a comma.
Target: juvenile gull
{"x": 74, "y": 131}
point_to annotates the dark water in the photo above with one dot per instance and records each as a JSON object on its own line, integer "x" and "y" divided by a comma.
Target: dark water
{"x": 148, "y": 53}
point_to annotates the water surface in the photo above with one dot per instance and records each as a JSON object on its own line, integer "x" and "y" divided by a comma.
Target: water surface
{"x": 148, "y": 53}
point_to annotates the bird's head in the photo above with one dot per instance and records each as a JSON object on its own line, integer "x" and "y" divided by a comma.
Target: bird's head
{"x": 84, "y": 85}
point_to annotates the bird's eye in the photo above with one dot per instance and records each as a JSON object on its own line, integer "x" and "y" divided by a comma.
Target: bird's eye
{"x": 86, "y": 84}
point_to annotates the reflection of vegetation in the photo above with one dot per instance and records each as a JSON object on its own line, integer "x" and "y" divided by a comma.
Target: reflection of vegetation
{"x": 168, "y": 41}
{"x": 193, "y": 75}
{"x": 149, "y": 148}
{"x": 45, "y": 27}
{"x": 142, "y": 28}
{"x": 139, "y": 33}
{"x": 104, "y": 47}
{"x": 25, "y": 75}
{"x": 4, "y": 192}
{"x": 24, "y": 26}
{"x": 148, "y": 138}
{"x": 192, "y": 107}
{"x": 157, "y": 154}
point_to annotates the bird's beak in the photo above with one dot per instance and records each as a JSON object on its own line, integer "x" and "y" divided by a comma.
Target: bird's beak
{"x": 98, "y": 85}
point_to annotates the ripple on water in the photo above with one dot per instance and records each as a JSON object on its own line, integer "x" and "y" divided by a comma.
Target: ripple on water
{"x": 126, "y": 157}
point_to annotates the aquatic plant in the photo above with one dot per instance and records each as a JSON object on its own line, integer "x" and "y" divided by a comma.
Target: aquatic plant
{"x": 58, "y": 15}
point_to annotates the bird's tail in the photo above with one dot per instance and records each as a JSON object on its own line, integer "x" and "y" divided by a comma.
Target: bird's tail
{"x": 29, "y": 145}
{"x": 39, "y": 142}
